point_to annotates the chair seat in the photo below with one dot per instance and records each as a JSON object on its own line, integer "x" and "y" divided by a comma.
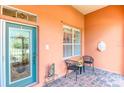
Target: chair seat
{"x": 88, "y": 62}
{"x": 73, "y": 67}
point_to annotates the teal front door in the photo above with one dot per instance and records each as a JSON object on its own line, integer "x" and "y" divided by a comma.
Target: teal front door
{"x": 21, "y": 55}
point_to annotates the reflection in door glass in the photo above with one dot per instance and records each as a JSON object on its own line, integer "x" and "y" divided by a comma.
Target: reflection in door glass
{"x": 19, "y": 51}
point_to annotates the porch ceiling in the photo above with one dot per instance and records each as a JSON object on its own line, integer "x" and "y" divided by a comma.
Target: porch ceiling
{"x": 85, "y": 9}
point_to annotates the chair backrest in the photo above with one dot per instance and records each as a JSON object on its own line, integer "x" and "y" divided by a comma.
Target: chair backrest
{"x": 88, "y": 58}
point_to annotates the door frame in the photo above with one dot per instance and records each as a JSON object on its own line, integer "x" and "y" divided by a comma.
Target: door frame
{"x": 3, "y": 53}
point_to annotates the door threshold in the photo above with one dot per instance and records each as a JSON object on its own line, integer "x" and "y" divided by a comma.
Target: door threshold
{"x": 30, "y": 85}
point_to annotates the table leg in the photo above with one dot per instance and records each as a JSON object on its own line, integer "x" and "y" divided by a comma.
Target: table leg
{"x": 83, "y": 68}
{"x": 80, "y": 70}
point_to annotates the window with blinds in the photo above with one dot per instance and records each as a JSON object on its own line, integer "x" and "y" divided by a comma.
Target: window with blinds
{"x": 71, "y": 41}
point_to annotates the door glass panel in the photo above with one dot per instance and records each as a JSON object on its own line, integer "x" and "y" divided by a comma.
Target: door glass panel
{"x": 9, "y": 12}
{"x": 21, "y": 15}
{"x": 32, "y": 18}
{"x": 19, "y": 54}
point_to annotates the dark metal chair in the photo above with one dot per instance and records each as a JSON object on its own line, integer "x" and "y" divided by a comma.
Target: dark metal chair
{"x": 72, "y": 65}
{"x": 88, "y": 60}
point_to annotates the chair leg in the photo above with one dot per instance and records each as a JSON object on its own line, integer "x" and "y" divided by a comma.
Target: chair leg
{"x": 93, "y": 67}
{"x": 76, "y": 75}
{"x": 66, "y": 73}
{"x": 80, "y": 70}
{"x": 83, "y": 68}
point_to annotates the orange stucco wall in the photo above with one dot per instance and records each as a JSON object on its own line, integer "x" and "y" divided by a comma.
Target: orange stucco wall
{"x": 51, "y": 33}
{"x": 106, "y": 25}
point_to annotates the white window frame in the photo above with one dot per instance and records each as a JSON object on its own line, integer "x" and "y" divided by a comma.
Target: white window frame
{"x": 73, "y": 43}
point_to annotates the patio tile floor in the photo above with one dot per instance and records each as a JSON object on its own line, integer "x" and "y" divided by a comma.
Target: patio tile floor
{"x": 99, "y": 78}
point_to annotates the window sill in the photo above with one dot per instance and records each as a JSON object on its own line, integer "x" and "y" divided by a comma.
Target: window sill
{"x": 71, "y": 57}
